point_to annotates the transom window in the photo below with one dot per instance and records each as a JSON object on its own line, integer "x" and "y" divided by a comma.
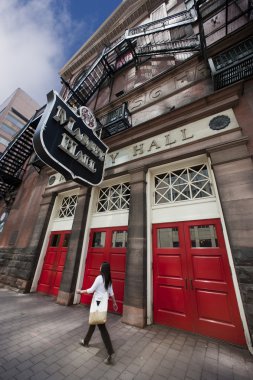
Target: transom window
{"x": 68, "y": 207}
{"x": 113, "y": 198}
{"x": 182, "y": 185}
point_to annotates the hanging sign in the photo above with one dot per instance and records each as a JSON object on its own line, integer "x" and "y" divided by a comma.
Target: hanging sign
{"x": 66, "y": 141}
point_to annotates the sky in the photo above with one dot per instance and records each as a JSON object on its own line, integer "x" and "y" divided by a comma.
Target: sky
{"x": 37, "y": 38}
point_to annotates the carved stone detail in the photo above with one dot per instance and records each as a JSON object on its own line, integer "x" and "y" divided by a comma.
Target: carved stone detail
{"x": 219, "y": 122}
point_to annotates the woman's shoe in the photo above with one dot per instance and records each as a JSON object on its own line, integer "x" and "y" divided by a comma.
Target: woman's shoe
{"x": 108, "y": 360}
{"x": 83, "y": 343}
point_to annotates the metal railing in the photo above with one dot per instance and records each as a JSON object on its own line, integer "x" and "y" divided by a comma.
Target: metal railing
{"x": 115, "y": 121}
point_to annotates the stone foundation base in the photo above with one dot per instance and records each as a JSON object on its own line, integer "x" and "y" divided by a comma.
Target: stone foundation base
{"x": 22, "y": 285}
{"x": 65, "y": 298}
{"x": 134, "y": 316}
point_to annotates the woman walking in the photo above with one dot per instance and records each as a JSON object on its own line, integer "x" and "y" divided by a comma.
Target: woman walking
{"x": 101, "y": 285}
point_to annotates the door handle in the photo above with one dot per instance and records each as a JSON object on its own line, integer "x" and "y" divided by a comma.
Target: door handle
{"x": 191, "y": 284}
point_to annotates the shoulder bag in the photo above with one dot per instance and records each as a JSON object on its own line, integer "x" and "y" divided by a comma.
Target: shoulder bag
{"x": 98, "y": 313}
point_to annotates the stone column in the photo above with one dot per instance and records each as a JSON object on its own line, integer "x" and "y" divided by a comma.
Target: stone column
{"x": 70, "y": 272}
{"x": 233, "y": 171}
{"x": 38, "y": 236}
{"x": 135, "y": 294}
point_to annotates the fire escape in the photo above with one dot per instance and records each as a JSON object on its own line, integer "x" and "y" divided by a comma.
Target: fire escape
{"x": 170, "y": 35}
{"x": 174, "y": 36}
{"x": 15, "y": 156}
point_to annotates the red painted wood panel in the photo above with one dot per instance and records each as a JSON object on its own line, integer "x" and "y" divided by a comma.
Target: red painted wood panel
{"x": 171, "y": 304}
{"x": 107, "y": 251}
{"x": 54, "y": 261}
{"x": 193, "y": 287}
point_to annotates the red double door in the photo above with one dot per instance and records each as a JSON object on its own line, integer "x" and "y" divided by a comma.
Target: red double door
{"x": 54, "y": 261}
{"x": 193, "y": 288}
{"x": 107, "y": 244}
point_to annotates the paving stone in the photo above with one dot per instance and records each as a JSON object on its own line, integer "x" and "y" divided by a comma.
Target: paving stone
{"x": 111, "y": 374}
{"x": 57, "y": 376}
{"x": 133, "y": 368}
{"x": 178, "y": 372}
{"x": 24, "y": 375}
{"x": 126, "y": 375}
{"x": 158, "y": 377}
{"x": 52, "y": 368}
{"x": 9, "y": 374}
{"x": 42, "y": 375}
{"x": 38, "y": 367}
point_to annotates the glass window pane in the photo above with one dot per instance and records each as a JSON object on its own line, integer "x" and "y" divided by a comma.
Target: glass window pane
{"x": 55, "y": 240}
{"x": 15, "y": 121}
{"x": 66, "y": 240}
{"x": 98, "y": 239}
{"x": 119, "y": 239}
{"x": 203, "y": 236}
{"x": 8, "y": 129}
{"x": 167, "y": 238}
{"x": 4, "y": 141}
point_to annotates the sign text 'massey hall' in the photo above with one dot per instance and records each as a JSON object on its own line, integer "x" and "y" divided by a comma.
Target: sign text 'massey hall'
{"x": 64, "y": 142}
{"x": 69, "y": 143}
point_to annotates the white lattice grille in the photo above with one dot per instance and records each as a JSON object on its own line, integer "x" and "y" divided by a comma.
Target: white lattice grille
{"x": 68, "y": 207}
{"x": 182, "y": 185}
{"x": 113, "y": 198}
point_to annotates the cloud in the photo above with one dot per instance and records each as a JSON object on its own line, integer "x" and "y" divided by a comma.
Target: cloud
{"x": 34, "y": 37}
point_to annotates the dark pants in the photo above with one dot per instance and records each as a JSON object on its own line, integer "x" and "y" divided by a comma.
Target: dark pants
{"x": 104, "y": 334}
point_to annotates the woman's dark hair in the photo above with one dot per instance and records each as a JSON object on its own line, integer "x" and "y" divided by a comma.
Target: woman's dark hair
{"x": 106, "y": 274}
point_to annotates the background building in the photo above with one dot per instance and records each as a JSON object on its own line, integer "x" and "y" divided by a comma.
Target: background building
{"x": 15, "y": 112}
{"x": 170, "y": 83}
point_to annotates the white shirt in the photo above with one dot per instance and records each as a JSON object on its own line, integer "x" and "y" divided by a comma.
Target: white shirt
{"x": 98, "y": 288}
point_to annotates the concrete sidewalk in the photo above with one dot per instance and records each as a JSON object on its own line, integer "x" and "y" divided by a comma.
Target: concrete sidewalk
{"x": 39, "y": 339}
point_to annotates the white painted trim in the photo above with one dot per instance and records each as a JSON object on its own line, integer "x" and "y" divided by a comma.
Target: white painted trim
{"x": 43, "y": 251}
{"x": 51, "y": 227}
{"x": 84, "y": 250}
{"x": 149, "y": 251}
{"x": 91, "y": 224}
{"x": 187, "y": 162}
{"x": 202, "y": 208}
{"x": 110, "y": 219}
{"x": 232, "y": 267}
{"x": 115, "y": 181}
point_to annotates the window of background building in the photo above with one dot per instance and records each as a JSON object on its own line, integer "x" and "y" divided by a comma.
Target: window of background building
{"x": 4, "y": 141}
{"x": 8, "y": 129}
{"x": 3, "y": 219}
{"x": 14, "y": 120}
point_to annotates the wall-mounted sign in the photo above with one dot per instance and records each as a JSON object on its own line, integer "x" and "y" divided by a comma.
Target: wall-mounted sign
{"x": 64, "y": 141}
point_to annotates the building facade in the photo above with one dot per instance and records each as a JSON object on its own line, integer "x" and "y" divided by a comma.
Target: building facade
{"x": 170, "y": 84}
{"x": 15, "y": 112}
